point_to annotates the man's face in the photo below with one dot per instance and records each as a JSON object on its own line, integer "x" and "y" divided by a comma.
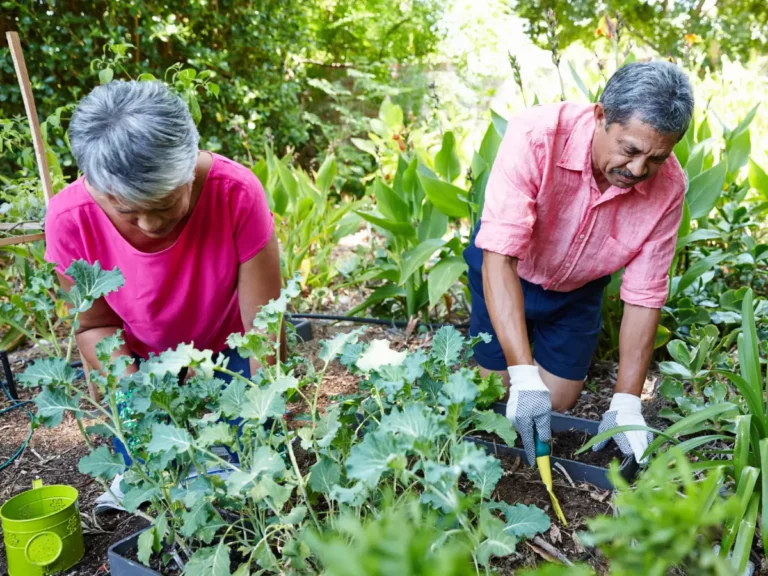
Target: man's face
{"x": 628, "y": 154}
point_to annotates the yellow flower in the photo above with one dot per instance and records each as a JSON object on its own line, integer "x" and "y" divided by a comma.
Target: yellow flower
{"x": 691, "y": 39}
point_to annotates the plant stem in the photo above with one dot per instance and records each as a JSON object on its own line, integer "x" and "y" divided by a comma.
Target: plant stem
{"x": 299, "y": 476}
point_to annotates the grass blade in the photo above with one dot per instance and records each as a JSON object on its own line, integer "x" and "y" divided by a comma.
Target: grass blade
{"x": 689, "y": 422}
{"x": 745, "y": 536}
{"x": 764, "y": 478}
{"x": 694, "y": 443}
{"x": 749, "y": 357}
{"x": 752, "y": 397}
{"x": 618, "y": 430}
{"x": 744, "y": 493}
{"x": 741, "y": 447}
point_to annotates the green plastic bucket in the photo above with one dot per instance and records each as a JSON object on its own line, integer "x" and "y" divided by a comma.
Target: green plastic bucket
{"x": 41, "y": 529}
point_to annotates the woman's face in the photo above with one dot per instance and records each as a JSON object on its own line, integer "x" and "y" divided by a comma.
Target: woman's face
{"x": 156, "y": 220}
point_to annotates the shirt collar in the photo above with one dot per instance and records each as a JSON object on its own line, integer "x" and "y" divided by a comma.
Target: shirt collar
{"x": 577, "y": 154}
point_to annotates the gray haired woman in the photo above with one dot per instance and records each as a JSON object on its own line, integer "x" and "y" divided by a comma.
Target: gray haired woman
{"x": 190, "y": 230}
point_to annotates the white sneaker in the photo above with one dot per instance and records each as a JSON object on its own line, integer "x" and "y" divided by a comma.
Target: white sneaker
{"x": 106, "y": 501}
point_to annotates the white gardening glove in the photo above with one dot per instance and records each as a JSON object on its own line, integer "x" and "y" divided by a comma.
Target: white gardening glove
{"x": 625, "y": 411}
{"x": 529, "y": 405}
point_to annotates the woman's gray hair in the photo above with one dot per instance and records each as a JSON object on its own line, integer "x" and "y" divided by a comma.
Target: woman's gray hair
{"x": 657, "y": 93}
{"x": 135, "y": 141}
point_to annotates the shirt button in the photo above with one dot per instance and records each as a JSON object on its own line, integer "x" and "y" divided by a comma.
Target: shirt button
{"x": 581, "y": 236}
{"x": 567, "y": 264}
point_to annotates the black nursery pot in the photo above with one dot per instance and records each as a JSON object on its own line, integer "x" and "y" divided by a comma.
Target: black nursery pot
{"x": 303, "y": 328}
{"x": 578, "y": 471}
{"x": 119, "y": 563}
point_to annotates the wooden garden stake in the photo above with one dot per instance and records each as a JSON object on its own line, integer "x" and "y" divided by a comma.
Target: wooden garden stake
{"x": 29, "y": 105}
{"x": 42, "y": 162}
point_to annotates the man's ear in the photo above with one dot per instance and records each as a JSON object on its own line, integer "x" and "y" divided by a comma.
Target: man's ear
{"x": 599, "y": 115}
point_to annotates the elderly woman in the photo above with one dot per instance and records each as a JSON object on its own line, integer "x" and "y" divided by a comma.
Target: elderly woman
{"x": 190, "y": 230}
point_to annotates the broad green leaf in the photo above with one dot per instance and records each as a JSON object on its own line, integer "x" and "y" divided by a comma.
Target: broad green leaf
{"x": 398, "y": 228}
{"x": 328, "y": 427}
{"x": 47, "y": 371}
{"x": 413, "y": 424}
{"x": 495, "y": 423}
{"x": 369, "y": 459}
{"x": 581, "y": 85}
{"x": 212, "y": 561}
{"x": 446, "y": 346}
{"x": 353, "y": 496}
{"x": 333, "y": 348}
{"x": 91, "y": 283}
{"x": 682, "y": 149}
{"x": 101, "y": 463}
{"x": 696, "y": 270}
{"x": 744, "y": 124}
{"x": 379, "y": 354}
{"x": 679, "y": 351}
{"x": 287, "y": 180}
{"x": 327, "y": 173}
{"x": 264, "y": 462}
{"x": 365, "y": 146}
{"x": 263, "y": 403}
{"x": 499, "y": 122}
{"x": 523, "y": 521}
{"x": 697, "y": 236}
{"x": 106, "y": 75}
{"x": 185, "y": 355}
{"x": 146, "y": 541}
{"x": 219, "y": 433}
{"x": 444, "y": 275}
{"x": 324, "y": 475}
{"x": 489, "y": 146}
{"x": 233, "y": 398}
{"x": 447, "y": 160}
{"x": 167, "y": 436}
{"x": 390, "y": 204}
{"x": 416, "y": 257}
{"x": 745, "y": 536}
{"x": 433, "y": 224}
{"x": 705, "y": 189}
{"x": 447, "y": 198}
{"x": 482, "y": 469}
{"x": 496, "y": 541}
{"x": 758, "y": 179}
{"x": 704, "y": 130}
{"x": 391, "y": 114}
{"x": 662, "y": 336}
{"x": 52, "y": 403}
{"x": 138, "y": 495}
{"x": 382, "y": 293}
{"x": 458, "y": 390}
{"x": 737, "y": 152}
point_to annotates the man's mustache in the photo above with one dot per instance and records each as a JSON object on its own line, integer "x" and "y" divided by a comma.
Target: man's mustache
{"x": 627, "y": 174}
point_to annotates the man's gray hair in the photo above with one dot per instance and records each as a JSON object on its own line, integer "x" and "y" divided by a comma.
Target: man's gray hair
{"x": 656, "y": 93}
{"x": 135, "y": 141}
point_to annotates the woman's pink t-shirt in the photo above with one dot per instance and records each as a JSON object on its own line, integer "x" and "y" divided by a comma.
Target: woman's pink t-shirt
{"x": 187, "y": 292}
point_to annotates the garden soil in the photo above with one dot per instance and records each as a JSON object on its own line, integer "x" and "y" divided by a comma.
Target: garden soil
{"x": 53, "y": 456}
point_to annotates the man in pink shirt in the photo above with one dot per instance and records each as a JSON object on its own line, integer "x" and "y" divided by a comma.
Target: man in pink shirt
{"x": 578, "y": 192}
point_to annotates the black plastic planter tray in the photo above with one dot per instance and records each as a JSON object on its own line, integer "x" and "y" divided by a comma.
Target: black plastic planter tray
{"x": 120, "y": 565}
{"x": 303, "y": 328}
{"x": 578, "y": 471}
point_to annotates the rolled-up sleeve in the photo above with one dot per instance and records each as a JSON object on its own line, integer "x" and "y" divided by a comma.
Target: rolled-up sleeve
{"x": 646, "y": 278}
{"x": 510, "y": 196}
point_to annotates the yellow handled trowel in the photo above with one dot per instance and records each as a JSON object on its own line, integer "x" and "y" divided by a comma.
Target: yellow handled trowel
{"x": 545, "y": 470}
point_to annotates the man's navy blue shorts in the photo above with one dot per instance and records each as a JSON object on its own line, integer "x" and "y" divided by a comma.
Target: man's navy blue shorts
{"x": 564, "y": 327}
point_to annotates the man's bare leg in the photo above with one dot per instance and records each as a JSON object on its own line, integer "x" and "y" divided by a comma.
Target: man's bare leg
{"x": 564, "y": 393}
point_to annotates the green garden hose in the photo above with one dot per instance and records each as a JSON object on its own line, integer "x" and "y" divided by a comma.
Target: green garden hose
{"x": 15, "y": 404}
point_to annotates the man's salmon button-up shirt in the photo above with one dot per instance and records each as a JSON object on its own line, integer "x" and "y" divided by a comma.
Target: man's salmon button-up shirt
{"x": 543, "y": 207}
